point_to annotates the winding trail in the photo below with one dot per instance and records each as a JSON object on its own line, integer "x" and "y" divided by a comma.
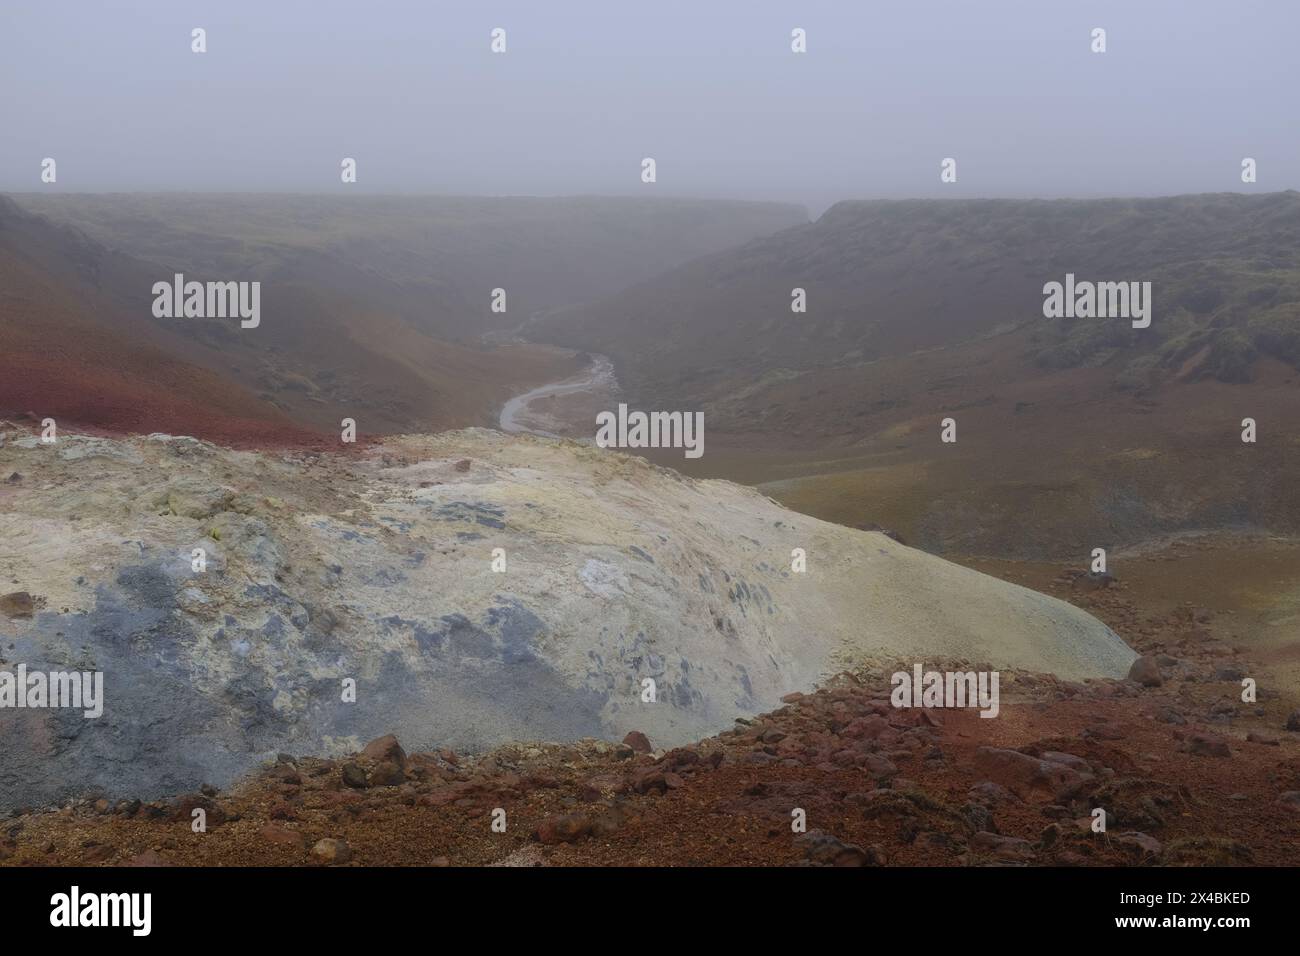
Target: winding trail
{"x": 516, "y": 416}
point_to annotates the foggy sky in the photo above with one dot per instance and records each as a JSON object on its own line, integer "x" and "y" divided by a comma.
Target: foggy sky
{"x": 709, "y": 88}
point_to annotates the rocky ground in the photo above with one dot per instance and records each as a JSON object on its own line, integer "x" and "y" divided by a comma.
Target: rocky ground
{"x": 1186, "y": 773}
{"x": 462, "y": 590}
{"x": 96, "y": 534}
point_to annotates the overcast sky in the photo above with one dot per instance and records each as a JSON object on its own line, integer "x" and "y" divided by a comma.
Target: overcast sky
{"x": 709, "y": 88}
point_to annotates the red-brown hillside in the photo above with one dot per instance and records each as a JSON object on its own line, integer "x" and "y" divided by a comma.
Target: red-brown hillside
{"x": 81, "y": 345}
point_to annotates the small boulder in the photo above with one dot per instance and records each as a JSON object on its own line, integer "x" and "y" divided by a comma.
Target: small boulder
{"x": 1146, "y": 671}
{"x": 1094, "y": 581}
{"x": 1002, "y": 847}
{"x": 1025, "y": 775}
{"x": 563, "y": 828}
{"x": 353, "y": 776}
{"x": 1073, "y": 761}
{"x": 386, "y": 773}
{"x": 1138, "y": 841}
{"x": 385, "y": 748}
{"x": 329, "y": 852}
{"x": 978, "y": 817}
{"x": 183, "y": 809}
{"x": 990, "y": 794}
{"x": 1205, "y": 745}
{"x": 17, "y": 604}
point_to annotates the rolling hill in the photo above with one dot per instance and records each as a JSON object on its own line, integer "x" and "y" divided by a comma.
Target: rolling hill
{"x": 1072, "y": 433}
{"x": 433, "y": 259}
{"x": 374, "y": 309}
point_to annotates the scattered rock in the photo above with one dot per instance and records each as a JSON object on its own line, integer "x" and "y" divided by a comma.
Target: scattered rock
{"x": 822, "y": 849}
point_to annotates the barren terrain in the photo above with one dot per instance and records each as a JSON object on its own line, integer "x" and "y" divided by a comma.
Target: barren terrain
{"x": 1187, "y": 775}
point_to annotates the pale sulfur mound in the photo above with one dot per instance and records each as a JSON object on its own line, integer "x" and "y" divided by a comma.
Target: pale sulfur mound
{"x": 383, "y": 567}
